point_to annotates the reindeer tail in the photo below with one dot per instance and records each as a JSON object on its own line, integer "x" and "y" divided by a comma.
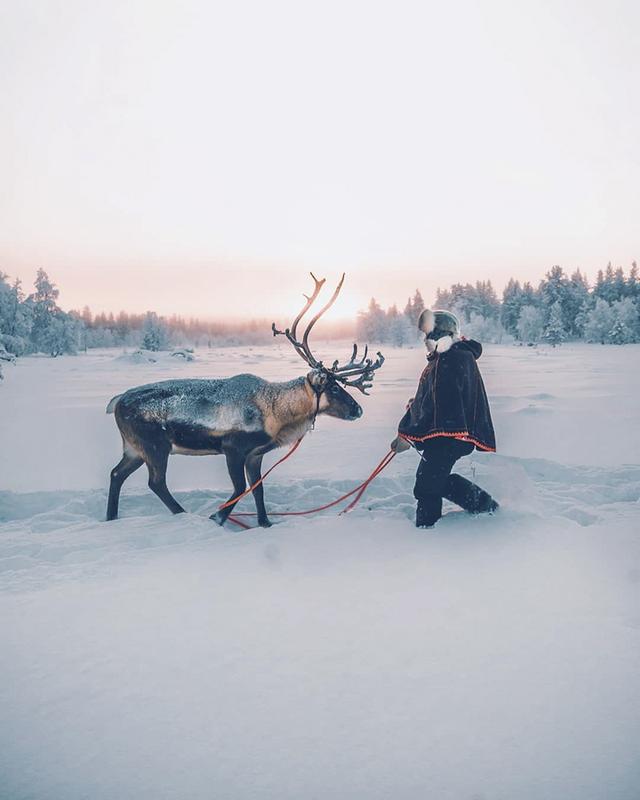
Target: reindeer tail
{"x": 111, "y": 406}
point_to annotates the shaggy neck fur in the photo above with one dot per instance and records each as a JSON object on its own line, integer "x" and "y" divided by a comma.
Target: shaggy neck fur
{"x": 291, "y": 406}
{"x": 292, "y": 411}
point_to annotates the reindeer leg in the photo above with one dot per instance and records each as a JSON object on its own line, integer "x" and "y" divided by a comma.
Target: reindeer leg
{"x": 119, "y": 474}
{"x": 157, "y": 465}
{"x": 235, "y": 465}
{"x": 253, "y": 466}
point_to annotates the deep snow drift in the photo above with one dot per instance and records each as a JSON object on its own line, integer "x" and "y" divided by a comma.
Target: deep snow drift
{"x": 333, "y": 657}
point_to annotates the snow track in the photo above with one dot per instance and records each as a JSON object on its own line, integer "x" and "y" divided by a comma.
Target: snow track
{"x": 67, "y": 536}
{"x": 354, "y": 657}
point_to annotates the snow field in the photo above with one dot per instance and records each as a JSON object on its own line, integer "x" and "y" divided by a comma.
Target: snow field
{"x": 330, "y": 657}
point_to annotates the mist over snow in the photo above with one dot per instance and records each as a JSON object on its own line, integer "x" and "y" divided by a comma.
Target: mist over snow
{"x": 491, "y": 658}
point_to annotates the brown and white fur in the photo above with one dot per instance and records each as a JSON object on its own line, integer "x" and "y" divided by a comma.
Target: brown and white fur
{"x": 242, "y": 418}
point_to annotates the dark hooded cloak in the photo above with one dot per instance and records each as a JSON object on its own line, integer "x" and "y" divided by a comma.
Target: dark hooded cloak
{"x": 451, "y": 400}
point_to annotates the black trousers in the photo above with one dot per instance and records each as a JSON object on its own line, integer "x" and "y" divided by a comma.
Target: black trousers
{"x": 435, "y": 481}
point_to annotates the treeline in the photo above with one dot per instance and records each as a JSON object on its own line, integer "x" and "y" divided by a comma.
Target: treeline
{"x": 153, "y": 332}
{"x": 34, "y": 323}
{"x": 561, "y": 308}
{"x": 564, "y": 308}
{"x": 391, "y": 326}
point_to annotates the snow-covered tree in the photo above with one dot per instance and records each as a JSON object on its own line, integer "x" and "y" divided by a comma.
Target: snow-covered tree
{"x": 15, "y": 317}
{"x": 371, "y": 324}
{"x": 100, "y": 337}
{"x": 619, "y": 286}
{"x": 44, "y": 308}
{"x": 576, "y": 297}
{"x": 633, "y": 283}
{"x": 155, "y": 334}
{"x": 605, "y": 288}
{"x": 627, "y": 322}
{"x": 554, "y": 332}
{"x": 486, "y": 304}
{"x": 600, "y": 321}
{"x": 418, "y": 306}
{"x": 485, "y": 329}
{"x": 554, "y": 288}
{"x": 582, "y": 316}
{"x": 619, "y": 333}
{"x": 530, "y": 324}
{"x": 467, "y": 299}
{"x": 53, "y": 331}
{"x": 60, "y": 336}
{"x": 512, "y": 301}
{"x": 414, "y": 307}
{"x": 400, "y": 330}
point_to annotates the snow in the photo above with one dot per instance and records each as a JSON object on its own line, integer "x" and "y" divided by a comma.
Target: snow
{"x": 138, "y": 357}
{"x": 330, "y": 657}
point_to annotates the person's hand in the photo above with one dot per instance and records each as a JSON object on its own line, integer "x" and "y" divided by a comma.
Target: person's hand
{"x": 399, "y": 445}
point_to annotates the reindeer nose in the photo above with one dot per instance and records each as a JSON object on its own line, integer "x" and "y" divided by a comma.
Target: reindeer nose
{"x": 358, "y": 412}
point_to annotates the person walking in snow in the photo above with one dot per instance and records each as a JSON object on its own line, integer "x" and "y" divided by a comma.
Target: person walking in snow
{"x": 448, "y": 418}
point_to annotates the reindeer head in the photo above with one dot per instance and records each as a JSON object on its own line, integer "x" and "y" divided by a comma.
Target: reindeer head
{"x": 327, "y": 382}
{"x": 332, "y": 399}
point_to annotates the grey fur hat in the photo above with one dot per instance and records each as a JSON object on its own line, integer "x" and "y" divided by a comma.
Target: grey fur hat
{"x": 438, "y": 323}
{"x": 441, "y": 329}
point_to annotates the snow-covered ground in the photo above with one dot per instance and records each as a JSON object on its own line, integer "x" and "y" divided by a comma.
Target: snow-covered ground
{"x": 492, "y": 658}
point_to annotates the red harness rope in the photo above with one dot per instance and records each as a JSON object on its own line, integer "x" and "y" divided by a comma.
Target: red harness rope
{"x": 358, "y": 491}
{"x": 260, "y": 480}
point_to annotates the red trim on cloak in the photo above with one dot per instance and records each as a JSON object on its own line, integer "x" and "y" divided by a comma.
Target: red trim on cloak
{"x": 463, "y": 436}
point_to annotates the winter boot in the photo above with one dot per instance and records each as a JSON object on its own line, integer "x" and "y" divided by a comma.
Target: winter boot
{"x": 427, "y": 514}
{"x": 469, "y": 496}
{"x": 492, "y": 506}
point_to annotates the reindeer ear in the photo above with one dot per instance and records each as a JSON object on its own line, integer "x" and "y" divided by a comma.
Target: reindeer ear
{"x": 317, "y": 378}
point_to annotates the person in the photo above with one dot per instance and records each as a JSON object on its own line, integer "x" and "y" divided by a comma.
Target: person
{"x": 447, "y": 419}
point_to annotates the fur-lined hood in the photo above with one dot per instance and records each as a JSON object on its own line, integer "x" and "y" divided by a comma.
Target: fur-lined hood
{"x": 444, "y": 344}
{"x": 450, "y": 399}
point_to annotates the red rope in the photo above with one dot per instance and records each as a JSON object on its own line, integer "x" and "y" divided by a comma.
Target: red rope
{"x": 360, "y": 490}
{"x": 237, "y": 522}
{"x": 260, "y": 480}
{"x": 384, "y": 463}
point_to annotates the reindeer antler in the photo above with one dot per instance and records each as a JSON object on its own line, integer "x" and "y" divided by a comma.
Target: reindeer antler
{"x": 302, "y": 347}
{"x": 363, "y": 368}
{"x": 352, "y": 361}
{"x": 310, "y": 301}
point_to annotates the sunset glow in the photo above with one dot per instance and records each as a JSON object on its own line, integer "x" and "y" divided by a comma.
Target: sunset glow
{"x": 200, "y": 159}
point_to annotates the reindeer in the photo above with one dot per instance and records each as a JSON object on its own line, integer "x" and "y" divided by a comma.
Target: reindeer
{"x": 243, "y": 417}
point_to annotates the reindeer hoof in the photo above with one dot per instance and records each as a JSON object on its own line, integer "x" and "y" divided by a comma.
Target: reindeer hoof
{"x": 218, "y": 518}
{"x": 266, "y": 523}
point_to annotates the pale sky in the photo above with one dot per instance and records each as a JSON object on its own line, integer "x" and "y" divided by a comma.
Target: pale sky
{"x": 201, "y": 157}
